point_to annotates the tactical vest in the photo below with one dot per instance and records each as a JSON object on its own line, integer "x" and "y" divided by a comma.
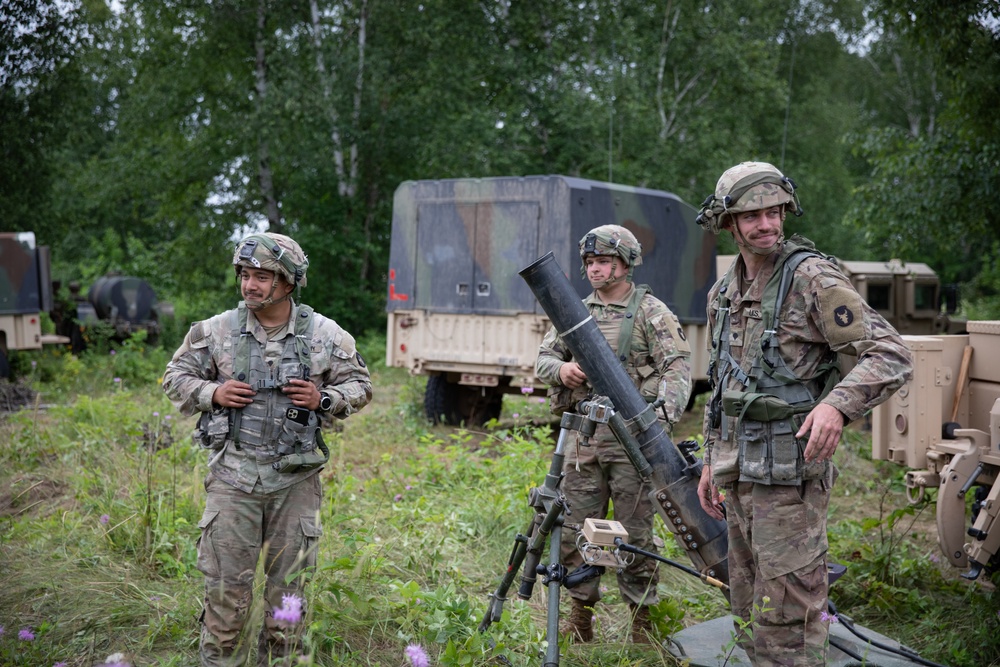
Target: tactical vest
{"x": 261, "y": 424}
{"x": 563, "y": 398}
{"x": 772, "y": 403}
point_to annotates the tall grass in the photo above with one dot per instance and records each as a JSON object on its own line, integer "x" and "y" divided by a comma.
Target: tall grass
{"x": 101, "y": 495}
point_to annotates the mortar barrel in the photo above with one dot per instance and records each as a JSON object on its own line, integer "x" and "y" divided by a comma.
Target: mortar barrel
{"x": 704, "y": 538}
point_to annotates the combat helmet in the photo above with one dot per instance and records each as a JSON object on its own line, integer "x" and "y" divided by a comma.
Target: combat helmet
{"x": 273, "y": 252}
{"x": 749, "y": 186}
{"x": 612, "y": 240}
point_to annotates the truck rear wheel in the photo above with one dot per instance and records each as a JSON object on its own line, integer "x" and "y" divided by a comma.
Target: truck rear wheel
{"x": 4, "y": 364}
{"x": 440, "y": 400}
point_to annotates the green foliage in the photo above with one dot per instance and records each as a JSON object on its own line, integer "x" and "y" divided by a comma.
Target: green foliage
{"x": 102, "y": 495}
{"x": 130, "y": 141}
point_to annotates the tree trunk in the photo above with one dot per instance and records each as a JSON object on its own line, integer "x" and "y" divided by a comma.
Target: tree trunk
{"x": 264, "y": 176}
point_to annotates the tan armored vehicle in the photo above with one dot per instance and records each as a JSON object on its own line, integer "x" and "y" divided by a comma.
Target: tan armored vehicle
{"x": 945, "y": 425}
{"x": 460, "y": 314}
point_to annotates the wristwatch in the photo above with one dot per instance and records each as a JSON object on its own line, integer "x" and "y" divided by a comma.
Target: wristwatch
{"x": 325, "y": 402}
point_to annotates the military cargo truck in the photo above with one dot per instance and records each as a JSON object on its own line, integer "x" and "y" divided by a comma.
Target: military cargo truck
{"x": 123, "y": 303}
{"x": 908, "y": 295}
{"x": 459, "y": 313}
{"x": 25, "y": 293}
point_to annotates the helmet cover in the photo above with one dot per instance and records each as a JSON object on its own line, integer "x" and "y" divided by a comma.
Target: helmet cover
{"x": 613, "y": 240}
{"x": 273, "y": 252}
{"x": 749, "y": 186}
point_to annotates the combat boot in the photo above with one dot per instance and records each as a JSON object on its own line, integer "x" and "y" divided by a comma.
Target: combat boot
{"x": 642, "y": 626}
{"x": 580, "y": 624}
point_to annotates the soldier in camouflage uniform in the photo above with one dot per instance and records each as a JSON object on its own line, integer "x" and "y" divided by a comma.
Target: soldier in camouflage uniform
{"x": 778, "y": 318}
{"x": 650, "y": 342}
{"x": 264, "y": 377}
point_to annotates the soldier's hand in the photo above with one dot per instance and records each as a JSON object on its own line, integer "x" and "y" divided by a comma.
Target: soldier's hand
{"x": 303, "y": 393}
{"x": 824, "y": 424}
{"x": 233, "y": 394}
{"x": 708, "y": 494}
{"x": 571, "y": 375}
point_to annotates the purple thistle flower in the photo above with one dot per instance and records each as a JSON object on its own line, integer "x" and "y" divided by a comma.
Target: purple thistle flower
{"x": 156, "y": 414}
{"x": 26, "y": 635}
{"x": 112, "y": 353}
{"x": 417, "y": 656}
{"x": 291, "y": 609}
{"x": 167, "y": 417}
{"x": 831, "y": 618}
{"x": 408, "y": 487}
{"x": 118, "y": 380}
{"x": 541, "y": 399}
{"x": 104, "y": 519}
{"x": 527, "y": 390}
{"x": 397, "y": 497}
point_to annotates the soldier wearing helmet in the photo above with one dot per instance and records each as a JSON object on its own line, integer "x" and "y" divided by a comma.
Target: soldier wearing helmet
{"x": 779, "y": 317}
{"x": 650, "y": 343}
{"x": 263, "y": 377}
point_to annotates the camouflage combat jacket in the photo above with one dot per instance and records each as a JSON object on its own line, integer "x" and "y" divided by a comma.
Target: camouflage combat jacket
{"x": 659, "y": 359}
{"x": 822, "y": 315}
{"x": 205, "y": 360}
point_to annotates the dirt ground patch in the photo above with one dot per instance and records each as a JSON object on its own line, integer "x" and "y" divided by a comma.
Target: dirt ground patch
{"x": 30, "y": 494}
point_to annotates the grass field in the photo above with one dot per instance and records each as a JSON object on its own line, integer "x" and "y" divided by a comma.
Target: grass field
{"x": 101, "y": 494}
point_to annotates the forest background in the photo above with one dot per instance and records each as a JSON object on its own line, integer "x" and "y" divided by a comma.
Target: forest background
{"x": 145, "y": 136}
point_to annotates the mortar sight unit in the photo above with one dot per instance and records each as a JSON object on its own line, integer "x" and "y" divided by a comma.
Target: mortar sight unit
{"x": 945, "y": 425}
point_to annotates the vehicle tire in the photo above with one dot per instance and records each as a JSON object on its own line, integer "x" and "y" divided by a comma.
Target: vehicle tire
{"x": 4, "y": 365}
{"x": 440, "y": 400}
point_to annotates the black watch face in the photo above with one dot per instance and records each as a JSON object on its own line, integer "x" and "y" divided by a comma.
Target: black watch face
{"x": 325, "y": 403}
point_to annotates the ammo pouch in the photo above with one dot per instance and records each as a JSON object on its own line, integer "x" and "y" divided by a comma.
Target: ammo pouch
{"x": 302, "y": 461}
{"x": 298, "y": 440}
{"x": 212, "y": 430}
{"x": 759, "y": 407}
{"x": 769, "y": 452}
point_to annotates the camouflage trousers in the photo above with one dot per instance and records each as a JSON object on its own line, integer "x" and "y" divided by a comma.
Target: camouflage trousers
{"x": 777, "y": 570}
{"x": 236, "y": 528}
{"x": 606, "y": 477}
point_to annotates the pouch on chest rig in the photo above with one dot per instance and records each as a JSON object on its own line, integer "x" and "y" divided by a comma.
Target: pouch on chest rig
{"x": 772, "y": 405}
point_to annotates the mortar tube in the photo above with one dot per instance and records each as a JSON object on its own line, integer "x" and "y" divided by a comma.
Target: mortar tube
{"x": 708, "y": 541}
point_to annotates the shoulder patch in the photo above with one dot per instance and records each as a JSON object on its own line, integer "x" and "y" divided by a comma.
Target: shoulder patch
{"x": 361, "y": 360}
{"x": 197, "y": 332}
{"x": 842, "y": 315}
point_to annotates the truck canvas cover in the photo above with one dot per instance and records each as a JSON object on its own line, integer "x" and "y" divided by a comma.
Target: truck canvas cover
{"x": 458, "y": 244}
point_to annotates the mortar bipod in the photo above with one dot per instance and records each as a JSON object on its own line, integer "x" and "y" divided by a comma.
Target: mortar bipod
{"x": 546, "y": 524}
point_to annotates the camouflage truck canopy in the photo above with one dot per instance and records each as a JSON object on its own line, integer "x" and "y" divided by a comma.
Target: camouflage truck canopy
{"x": 460, "y": 313}
{"x": 458, "y": 244}
{"x": 24, "y": 284}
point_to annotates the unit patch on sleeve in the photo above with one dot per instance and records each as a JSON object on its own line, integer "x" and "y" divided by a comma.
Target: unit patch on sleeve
{"x": 842, "y": 314}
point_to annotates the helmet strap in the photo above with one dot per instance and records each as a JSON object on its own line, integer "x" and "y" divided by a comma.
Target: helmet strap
{"x": 269, "y": 300}
{"x": 742, "y": 242}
